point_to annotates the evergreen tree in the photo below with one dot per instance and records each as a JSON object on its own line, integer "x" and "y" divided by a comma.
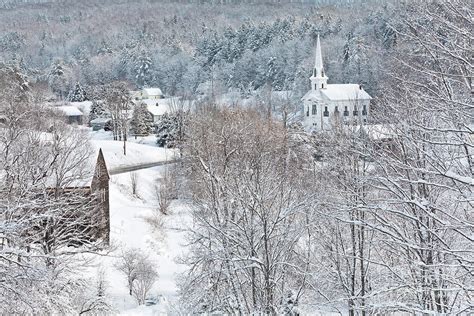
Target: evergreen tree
{"x": 78, "y": 94}
{"x": 170, "y": 130}
{"x": 57, "y": 79}
{"x": 141, "y": 120}
{"x": 97, "y": 110}
{"x": 143, "y": 69}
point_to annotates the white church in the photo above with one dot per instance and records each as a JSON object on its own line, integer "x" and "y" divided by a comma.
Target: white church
{"x": 326, "y": 105}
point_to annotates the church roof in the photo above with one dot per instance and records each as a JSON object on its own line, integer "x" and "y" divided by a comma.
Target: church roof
{"x": 343, "y": 92}
{"x": 338, "y": 92}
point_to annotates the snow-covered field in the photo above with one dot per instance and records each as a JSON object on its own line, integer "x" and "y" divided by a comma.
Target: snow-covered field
{"x": 129, "y": 227}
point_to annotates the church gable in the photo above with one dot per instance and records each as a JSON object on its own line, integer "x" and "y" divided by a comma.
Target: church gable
{"x": 101, "y": 172}
{"x": 100, "y": 188}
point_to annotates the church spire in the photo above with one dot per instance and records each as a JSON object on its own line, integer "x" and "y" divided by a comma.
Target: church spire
{"x": 318, "y": 79}
{"x": 318, "y": 62}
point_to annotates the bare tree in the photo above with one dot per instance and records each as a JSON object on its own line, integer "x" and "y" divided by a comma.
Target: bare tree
{"x": 134, "y": 182}
{"x": 139, "y": 272}
{"x": 119, "y": 104}
{"x": 163, "y": 194}
{"x": 249, "y": 208}
{"x": 43, "y": 224}
{"x": 128, "y": 265}
{"x": 96, "y": 302}
{"x": 146, "y": 277}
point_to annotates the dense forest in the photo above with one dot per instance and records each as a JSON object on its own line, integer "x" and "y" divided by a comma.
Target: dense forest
{"x": 177, "y": 46}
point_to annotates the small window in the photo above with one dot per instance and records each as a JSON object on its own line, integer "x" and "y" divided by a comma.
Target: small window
{"x": 336, "y": 110}
{"x": 314, "y": 109}
{"x": 364, "y": 110}
{"x": 102, "y": 195}
{"x": 356, "y": 112}
{"x": 326, "y": 112}
{"x": 315, "y": 87}
{"x": 346, "y": 112}
{"x": 307, "y": 112}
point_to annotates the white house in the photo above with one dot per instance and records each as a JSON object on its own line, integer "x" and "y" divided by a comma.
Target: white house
{"x": 157, "y": 107}
{"x": 328, "y": 104}
{"x": 152, "y": 93}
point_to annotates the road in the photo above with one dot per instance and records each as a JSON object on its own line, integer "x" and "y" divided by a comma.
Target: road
{"x": 126, "y": 169}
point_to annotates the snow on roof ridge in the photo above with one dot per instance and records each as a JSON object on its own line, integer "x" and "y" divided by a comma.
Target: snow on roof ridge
{"x": 345, "y": 91}
{"x": 69, "y": 110}
{"x": 153, "y": 91}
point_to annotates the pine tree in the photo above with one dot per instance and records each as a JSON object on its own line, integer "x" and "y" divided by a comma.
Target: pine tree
{"x": 170, "y": 130}
{"x": 97, "y": 110}
{"x": 143, "y": 69}
{"x": 141, "y": 120}
{"x": 78, "y": 94}
{"x": 57, "y": 79}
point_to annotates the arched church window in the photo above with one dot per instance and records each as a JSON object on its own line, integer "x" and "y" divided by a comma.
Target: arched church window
{"x": 346, "y": 112}
{"x": 364, "y": 109}
{"x": 314, "y": 109}
{"x": 307, "y": 111}
{"x": 336, "y": 110}
{"x": 356, "y": 112}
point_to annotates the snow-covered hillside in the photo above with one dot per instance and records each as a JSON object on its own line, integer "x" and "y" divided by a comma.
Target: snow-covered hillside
{"x": 130, "y": 229}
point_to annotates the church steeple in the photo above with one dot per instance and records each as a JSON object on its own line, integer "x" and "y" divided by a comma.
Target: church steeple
{"x": 318, "y": 79}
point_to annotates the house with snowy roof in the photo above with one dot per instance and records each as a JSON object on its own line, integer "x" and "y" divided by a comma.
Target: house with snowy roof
{"x": 152, "y": 93}
{"x": 327, "y": 105}
{"x": 72, "y": 114}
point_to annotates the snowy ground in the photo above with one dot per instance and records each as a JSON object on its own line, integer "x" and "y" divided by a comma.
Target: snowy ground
{"x": 129, "y": 228}
{"x": 139, "y": 151}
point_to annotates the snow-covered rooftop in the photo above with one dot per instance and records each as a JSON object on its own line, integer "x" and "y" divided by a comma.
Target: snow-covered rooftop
{"x": 100, "y": 120}
{"x": 338, "y": 92}
{"x": 157, "y": 107}
{"x": 345, "y": 92}
{"x": 84, "y": 106}
{"x": 152, "y": 91}
{"x": 69, "y": 110}
{"x": 162, "y": 106}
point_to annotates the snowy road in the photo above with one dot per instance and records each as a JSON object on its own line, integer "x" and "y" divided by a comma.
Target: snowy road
{"x": 120, "y": 170}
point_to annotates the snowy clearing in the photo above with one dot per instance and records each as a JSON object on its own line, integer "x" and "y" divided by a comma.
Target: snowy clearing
{"x": 129, "y": 229}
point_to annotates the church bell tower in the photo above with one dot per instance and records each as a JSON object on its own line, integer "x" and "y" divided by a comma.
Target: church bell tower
{"x": 318, "y": 78}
